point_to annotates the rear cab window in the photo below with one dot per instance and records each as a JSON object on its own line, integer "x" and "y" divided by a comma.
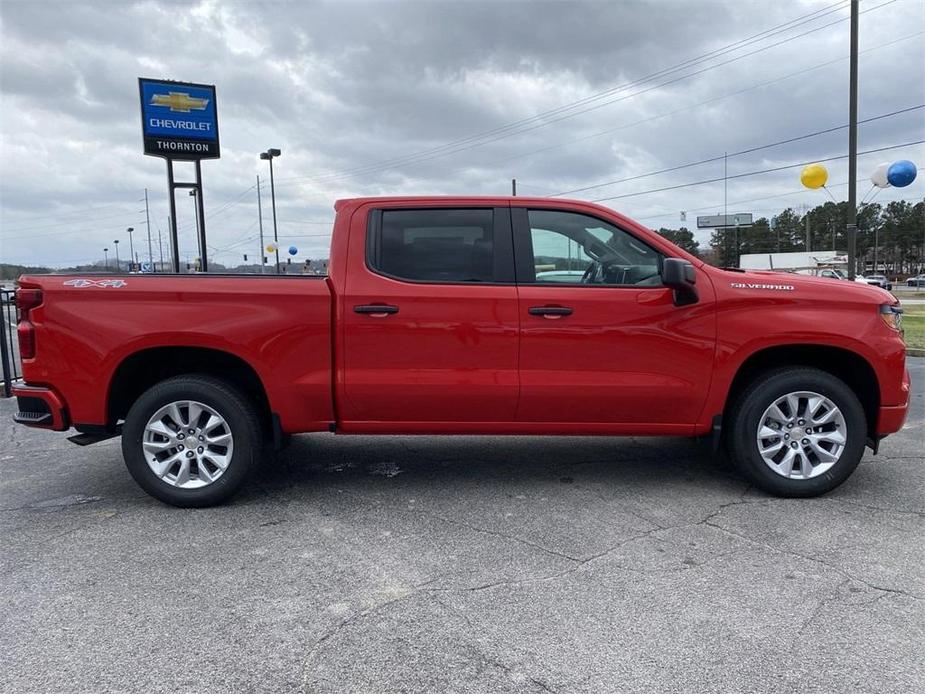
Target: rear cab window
{"x": 441, "y": 245}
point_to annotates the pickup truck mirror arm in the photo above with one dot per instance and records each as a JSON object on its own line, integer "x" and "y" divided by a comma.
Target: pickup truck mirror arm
{"x": 679, "y": 275}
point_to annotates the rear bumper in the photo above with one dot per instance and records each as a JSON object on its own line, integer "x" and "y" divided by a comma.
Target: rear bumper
{"x": 41, "y": 408}
{"x": 890, "y": 419}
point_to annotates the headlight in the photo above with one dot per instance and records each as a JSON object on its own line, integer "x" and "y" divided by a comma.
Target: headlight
{"x": 892, "y": 315}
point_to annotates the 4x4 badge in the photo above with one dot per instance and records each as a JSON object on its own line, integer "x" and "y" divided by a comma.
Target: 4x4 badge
{"x": 95, "y": 283}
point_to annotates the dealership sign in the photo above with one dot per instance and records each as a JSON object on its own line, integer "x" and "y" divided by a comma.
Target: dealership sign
{"x": 179, "y": 120}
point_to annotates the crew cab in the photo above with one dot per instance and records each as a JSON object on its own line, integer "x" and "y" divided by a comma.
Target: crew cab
{"x": 466, "y": 316}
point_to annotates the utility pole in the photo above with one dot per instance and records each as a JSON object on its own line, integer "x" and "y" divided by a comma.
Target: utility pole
{"x": 725, "y": 182}
{"x": 852, "y": 226}
{"x": 876, "y": 247}
{"x": 106, "y": 259}
{"x": 737, "y": 243}
{"x": 148, "y": 225}
{"x": 514, "y": 187}
{"x": 809, "y": 241}
{"x": 160, "y": 244}
{"x": 263, "y": 258}
{"x": 118, "y": 268}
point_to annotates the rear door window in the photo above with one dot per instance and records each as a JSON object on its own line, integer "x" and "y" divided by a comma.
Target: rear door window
{"x": 440, "y": 245}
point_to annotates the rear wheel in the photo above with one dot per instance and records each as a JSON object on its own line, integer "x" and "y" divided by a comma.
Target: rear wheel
{"x": 191, "y": 441}
{"x": 797, "y": 432}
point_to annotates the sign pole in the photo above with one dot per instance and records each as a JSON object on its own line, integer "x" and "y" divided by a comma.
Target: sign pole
{"x": 201, "y": 214}
{"x": 174, "y": 243}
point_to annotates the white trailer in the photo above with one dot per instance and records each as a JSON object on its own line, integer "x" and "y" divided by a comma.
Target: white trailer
{"x": 792, "y": 262}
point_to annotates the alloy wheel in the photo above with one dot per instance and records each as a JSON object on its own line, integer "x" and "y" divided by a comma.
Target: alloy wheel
{"x": 187, "y": 444}
{"x": 801, "y": 435}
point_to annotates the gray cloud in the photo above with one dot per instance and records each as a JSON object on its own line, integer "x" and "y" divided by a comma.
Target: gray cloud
{"x": 340, "y": 87}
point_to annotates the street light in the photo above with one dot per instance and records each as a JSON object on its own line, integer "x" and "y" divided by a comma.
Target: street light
{"x": 268, "y": 156}
{"x": 106, "y": 258}
{"x": 118, "y": 268}
{"x": 131, "y": 247}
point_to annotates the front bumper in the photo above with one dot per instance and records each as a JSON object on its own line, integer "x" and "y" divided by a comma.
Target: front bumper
{"x": 891, "y": 418}
{"x": 41, "y": 408}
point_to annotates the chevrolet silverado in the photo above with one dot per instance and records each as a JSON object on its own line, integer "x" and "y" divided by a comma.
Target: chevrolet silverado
{"x": 466, "y": 316}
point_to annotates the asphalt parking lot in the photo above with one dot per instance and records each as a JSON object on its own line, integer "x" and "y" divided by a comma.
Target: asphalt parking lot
{"x": 500, "y": 564}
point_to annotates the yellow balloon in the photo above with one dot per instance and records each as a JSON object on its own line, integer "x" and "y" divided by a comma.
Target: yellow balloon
{"x": 271, "y": 248}
{"x": 814, "y": 176}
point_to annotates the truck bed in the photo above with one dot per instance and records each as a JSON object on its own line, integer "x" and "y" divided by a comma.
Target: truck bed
{"x": 280, "y": 326}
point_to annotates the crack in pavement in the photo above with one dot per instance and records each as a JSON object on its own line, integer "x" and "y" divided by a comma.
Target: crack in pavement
{"x": 815, "y": 560}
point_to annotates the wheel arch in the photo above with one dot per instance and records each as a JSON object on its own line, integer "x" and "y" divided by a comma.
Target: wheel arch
{"x": 848, "y": 366}
{"x": 142, "y": 369}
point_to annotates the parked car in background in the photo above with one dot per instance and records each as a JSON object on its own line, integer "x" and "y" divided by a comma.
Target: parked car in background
{"x": 560, "y": 276}
{"x": 880, "y": 281}
{"x": 917, "y": 281}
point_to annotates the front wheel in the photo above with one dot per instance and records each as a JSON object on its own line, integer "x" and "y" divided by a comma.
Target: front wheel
{"x": 797, "y": 432}
{"x": 191, "y": 441}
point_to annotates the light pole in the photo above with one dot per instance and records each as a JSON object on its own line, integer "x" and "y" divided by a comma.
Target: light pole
{"x": 106, "y": 258}
{"x": 116, "y": 241}
{"x": 268, "y": 156}
{"x": 131, "y": 248}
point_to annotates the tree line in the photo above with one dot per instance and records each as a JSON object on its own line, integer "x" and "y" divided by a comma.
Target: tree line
{"x": 893, "y": 234}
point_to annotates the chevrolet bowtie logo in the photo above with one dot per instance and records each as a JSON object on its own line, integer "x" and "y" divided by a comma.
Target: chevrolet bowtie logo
{"x": 179, "y": 102}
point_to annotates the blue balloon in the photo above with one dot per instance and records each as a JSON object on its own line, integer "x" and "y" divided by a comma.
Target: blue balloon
{"x": 293, "y": 250}
{"x": 901, "y": 173}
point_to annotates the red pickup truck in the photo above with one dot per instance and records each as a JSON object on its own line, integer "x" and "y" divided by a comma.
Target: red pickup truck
{"x": 466, "y": 316}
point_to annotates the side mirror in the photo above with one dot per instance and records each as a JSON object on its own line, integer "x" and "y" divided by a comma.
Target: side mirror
{"x": 679, "y": 275}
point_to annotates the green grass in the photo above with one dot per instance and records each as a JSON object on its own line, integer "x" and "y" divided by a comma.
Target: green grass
{"x": 914, "y": 326}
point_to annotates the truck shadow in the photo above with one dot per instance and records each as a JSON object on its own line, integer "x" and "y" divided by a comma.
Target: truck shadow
{"x": 362, "y": 463}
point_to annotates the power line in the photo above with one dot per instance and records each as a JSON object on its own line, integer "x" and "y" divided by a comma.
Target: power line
{"x": 96, "y": 228}
{"x": 704, "y": 102}
{"x": 79, "y": 210}
{"x": 515, "y": 128}
{"x": 736, "y": 154}
{"x": 212, "y": 214}
{"x": 742, "y": 202}
{"x": 71, "y": 222}
{"x": 752, "y": 173}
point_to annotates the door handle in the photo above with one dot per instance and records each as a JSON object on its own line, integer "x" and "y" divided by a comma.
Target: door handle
{"x": 376, "y": 310}
{"x": 550, "y": 311}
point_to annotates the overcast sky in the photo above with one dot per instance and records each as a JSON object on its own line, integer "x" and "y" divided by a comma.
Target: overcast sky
{"x": 402, "y": 98}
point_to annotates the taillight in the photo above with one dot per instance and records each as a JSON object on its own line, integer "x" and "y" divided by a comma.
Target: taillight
{"x": 26, "y": 300}
{"x": 25, "y": 331}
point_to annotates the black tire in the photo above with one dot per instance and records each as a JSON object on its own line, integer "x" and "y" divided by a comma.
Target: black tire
{"x": 742, "y": 421}
{"x": 225, "y": 399}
